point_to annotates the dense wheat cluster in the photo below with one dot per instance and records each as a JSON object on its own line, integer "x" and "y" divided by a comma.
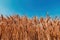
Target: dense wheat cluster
{"x": 23, "y": 28}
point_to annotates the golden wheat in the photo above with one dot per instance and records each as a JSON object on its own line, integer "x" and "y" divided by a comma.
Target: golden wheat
{"x": 23, "y": 28}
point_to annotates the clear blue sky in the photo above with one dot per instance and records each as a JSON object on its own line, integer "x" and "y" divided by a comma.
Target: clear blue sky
{"x": 30, "y": 7}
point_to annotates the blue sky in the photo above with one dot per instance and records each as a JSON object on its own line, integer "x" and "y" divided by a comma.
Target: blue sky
{"x": 30, "y": 7}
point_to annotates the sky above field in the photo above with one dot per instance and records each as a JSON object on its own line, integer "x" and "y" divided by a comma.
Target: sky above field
{"x": 30, "y": 8}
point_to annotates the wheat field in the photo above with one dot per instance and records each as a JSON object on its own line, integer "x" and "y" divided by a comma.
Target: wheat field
{"x": 23, "y": 28}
